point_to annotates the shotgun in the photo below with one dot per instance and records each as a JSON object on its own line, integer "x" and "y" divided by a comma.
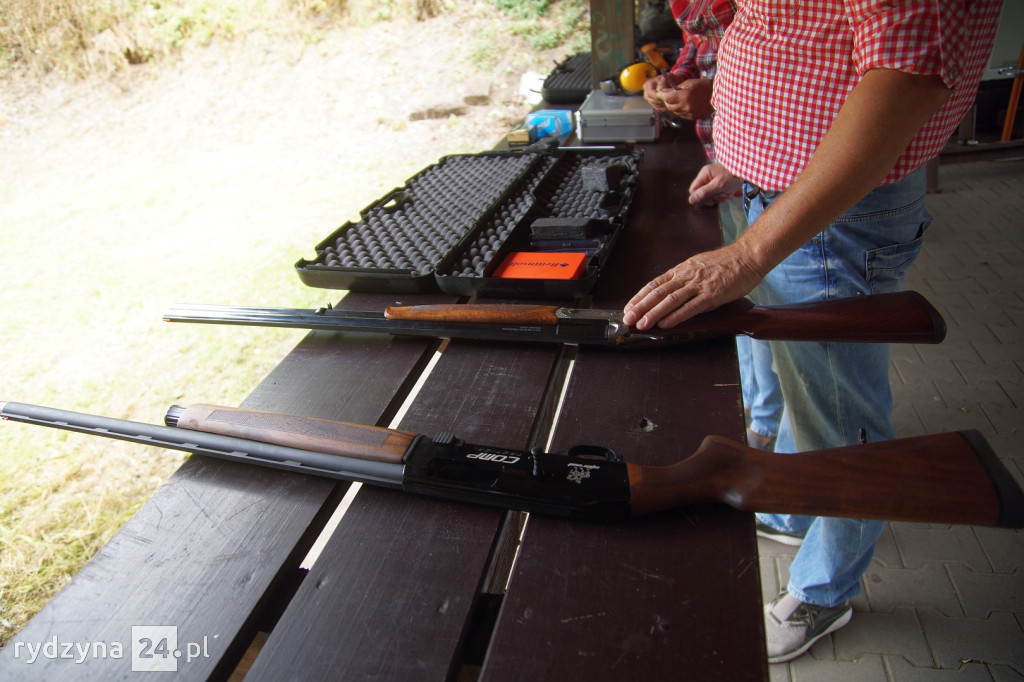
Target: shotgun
{"x": 945, "y": 478}
{"x": 901, "y": 317}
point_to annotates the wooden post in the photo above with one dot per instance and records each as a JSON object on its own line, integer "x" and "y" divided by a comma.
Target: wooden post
{"x": 612, "y": 43}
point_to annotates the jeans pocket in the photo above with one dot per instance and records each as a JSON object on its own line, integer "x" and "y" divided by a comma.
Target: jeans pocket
{"x": 886, "y": 267}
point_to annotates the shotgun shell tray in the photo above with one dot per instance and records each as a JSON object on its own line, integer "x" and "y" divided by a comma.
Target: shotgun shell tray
{"x": 452, "y": 224}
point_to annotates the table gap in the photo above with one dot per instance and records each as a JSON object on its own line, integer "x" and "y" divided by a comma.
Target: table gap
{"x": 346, "y": 500}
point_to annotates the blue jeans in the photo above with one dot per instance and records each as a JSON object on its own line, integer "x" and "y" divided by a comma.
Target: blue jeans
{"x": 836, "y": 391}
{"x": 762, "y": 395}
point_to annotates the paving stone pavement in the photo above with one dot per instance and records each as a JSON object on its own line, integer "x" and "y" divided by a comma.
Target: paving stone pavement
{"x": 946, "y": 602}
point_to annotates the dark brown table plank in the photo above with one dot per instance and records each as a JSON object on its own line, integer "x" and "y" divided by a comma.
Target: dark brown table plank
{"x": 636, "y": 601}
{"x": 670, "y": 595}
{"x": 394, "y": 591}
{"x": 208, "y": 551}
{"x": 675, "y": 595}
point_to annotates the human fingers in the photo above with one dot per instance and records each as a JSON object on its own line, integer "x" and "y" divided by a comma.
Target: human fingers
{"x": 713, "y": 185}
{"x": 658, "y": 85}
{"x": 652, "y": 95}
{"x": 659, "y": 298}
{"x": 703, "y": 186}
{"x": 670, "y": 306}
{"x": 679, "y": 105}
{"x": 701, "y": 283}
{"x": 642, "y": 301}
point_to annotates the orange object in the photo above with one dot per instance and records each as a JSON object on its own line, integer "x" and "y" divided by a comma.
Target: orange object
{"x": 1011, "y": 108}
{"x": 653, "y": 55}
{"x": 532, "y": 265}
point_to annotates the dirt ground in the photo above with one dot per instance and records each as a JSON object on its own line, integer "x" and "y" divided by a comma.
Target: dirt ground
{"x": 304, "y": 119}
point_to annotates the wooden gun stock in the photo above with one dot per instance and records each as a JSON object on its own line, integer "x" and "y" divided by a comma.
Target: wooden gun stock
{"x": 945, "y": 478}
{"x": 902, "y": 317}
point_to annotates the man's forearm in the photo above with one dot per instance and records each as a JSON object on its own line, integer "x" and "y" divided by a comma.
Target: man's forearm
{"x": 880, "y": 117}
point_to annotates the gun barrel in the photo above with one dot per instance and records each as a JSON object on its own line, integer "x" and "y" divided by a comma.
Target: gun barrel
{"x": 212, "y": 444}
{"x": 330, "y": 319}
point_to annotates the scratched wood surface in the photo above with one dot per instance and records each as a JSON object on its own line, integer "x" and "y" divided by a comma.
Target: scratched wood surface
{"x": 209, "y": 550}
{"x": 674, "y": 596}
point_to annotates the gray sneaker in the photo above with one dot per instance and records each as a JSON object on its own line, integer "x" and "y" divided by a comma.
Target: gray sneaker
{"x": 759, "y": 441}
{"x": 763, "y": 530}
{"x": 792, "y": 627}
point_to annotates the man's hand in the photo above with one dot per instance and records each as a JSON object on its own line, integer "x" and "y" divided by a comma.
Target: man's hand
{"x": 705, "y": 281}
{"x": 701, "y": 283}
{"x": 713, "y": 185}
{"x": 655, "y": 89}
{"x": 689, "y": 99}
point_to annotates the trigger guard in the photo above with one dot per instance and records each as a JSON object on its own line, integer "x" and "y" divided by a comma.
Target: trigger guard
{"x": 593, "y": 452}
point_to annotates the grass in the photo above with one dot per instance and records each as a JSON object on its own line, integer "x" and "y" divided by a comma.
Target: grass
{"x": 79, "y": 37}
{"x": 83, "y": 331}
{"x": 106, "y": 223}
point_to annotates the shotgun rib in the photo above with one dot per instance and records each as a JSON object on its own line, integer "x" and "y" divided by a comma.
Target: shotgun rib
{"x": 902, "y": 317}
{"x": 945, "y": 478}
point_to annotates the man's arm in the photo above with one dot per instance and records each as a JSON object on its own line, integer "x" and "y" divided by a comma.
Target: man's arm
{"x": 882, "y": 114}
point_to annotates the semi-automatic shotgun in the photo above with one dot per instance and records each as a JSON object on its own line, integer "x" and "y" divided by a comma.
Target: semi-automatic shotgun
{"x": 946, "y": 478}
{"x": 902, "y": 317}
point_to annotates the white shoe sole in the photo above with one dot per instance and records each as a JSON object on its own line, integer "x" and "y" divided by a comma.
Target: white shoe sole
{"x": 782, "y": 538}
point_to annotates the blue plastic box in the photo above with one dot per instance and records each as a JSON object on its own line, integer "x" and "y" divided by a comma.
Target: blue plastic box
{"x": 549, "y": 123}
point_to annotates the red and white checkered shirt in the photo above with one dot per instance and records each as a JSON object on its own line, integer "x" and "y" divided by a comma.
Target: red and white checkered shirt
{"x": 785, "y": 67}
{"x": 703, "y": 23}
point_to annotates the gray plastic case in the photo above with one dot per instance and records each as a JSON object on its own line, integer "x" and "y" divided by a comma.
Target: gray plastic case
{"x": 616, "y": 118}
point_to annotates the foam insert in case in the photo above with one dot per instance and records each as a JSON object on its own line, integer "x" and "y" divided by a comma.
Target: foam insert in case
{"x": 452, "y": 224}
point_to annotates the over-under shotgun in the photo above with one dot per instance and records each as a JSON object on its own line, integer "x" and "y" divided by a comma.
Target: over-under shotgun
{"x": 944, "y": 478}
{"x": 902, "y": 317}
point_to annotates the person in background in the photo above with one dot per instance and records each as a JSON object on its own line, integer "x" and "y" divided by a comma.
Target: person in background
{"x": 830, "y": 153}
{"x": 685, "y": 91}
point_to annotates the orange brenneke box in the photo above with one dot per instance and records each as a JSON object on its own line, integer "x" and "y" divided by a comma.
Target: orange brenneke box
{"x": 534, "y": 265}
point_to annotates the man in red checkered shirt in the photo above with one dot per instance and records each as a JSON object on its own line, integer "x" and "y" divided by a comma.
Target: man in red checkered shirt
{"x": 826, "y": 112}
{"x": 686, "y": 89}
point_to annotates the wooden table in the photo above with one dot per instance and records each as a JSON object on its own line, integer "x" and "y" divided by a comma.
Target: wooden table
{"x": 409, "y": 588}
